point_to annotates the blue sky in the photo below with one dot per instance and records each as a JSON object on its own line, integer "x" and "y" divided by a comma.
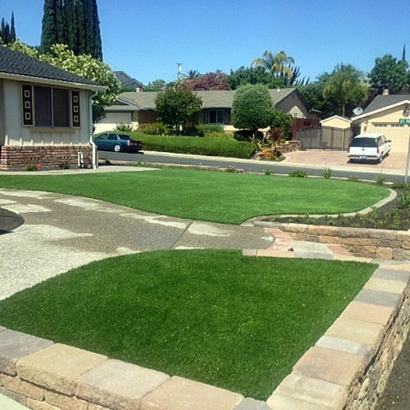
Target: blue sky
{"x": 147, "y": 39}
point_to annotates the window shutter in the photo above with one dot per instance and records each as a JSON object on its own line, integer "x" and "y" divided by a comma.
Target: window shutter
{"x": 28, "y": 117}
{"x": 75, "y": 108}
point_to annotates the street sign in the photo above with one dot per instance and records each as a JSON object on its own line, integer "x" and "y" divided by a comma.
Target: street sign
{"x": 404, "y": 121}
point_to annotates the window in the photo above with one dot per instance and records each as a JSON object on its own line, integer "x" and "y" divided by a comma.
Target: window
{"x": 50, "y": 107}
{"x": 216, "y": 117}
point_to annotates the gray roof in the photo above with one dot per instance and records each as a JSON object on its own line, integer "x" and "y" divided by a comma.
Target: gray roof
{"x": 210, "y": 99}
{"x": 383, "y": 101}
{"x": 15, "y": 63}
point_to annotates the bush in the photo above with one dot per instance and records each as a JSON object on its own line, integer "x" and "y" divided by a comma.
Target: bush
{"x": 298, "y": 174}
{"x": 156, "y": 128}
{"x": 328, "y": 173}
{"x": 246, "y": 135}
{"x": 203, "y": 130}
{"x": 218, "y": 147}
{"x": 220, "y": 135}
{"x": 121, "y": 127}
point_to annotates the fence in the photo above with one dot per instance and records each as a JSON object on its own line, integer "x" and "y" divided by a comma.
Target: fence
{"x": 324, "y": 138}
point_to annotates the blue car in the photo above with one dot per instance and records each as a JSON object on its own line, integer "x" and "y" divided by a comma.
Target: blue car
{"x": 112, "y": 141}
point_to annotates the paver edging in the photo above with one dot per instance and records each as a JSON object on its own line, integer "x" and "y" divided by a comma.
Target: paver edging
{"x": 313, "y": 383}
{"x": 360, "y": 242}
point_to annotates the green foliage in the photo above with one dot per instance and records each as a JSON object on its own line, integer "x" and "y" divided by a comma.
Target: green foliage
{"x": 250, "y": 75}
{"x": 177, "y": 106}
{"x": 7, "y": 31}
{"x": 354, "y": 179}
{"x": 156, "y": 85}
{"x": 252, "y": 108}
{"x": 282, "y": 122}
{"x": 404, "y": 200}
{"x": 328, "y": 173}
{"x": 345, "y": 89}
{"x": 74, "y": 23}
{"x": 219, "y": 147}
{"x": 202, "y": 130}
{"x": 247, "y": 135}
{"x": 380, "y": 179}
{"x": 64, "y": 165}
{"x": 123, "y": 127}
{"x": 156, "y": 128}
{"x": 298, "y": 174}
{"x": 90, "y": 68}
{"x": 388, "y": 73}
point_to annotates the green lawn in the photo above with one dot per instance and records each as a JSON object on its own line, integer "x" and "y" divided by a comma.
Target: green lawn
{"x": 209, "y": 196}
{"x": 236, "y": 322}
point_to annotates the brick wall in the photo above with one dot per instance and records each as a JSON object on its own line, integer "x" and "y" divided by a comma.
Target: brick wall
{"x": 48, "y": 156}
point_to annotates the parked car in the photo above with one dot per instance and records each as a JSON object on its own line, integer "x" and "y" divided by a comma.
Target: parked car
{"x": 367, "y": 147}
{"x": 112, "y": 141}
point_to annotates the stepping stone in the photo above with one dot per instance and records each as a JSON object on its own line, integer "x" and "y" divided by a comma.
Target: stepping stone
{"x": 311, "y": 250}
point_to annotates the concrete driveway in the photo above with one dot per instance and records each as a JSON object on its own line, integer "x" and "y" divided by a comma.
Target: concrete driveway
{"x": 64, "y": 232}
{"x": 395, "y": 163}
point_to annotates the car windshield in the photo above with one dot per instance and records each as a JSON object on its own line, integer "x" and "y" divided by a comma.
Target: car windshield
{"x": 364, "y": 142}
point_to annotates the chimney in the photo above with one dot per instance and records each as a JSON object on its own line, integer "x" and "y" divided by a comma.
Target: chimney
{"x": 386, "y": 91}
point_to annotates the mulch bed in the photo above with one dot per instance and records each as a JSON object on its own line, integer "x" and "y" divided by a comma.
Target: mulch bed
{"x": 390, "y": 216}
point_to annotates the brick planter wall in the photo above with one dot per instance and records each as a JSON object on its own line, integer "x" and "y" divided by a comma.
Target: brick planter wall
{"x": 368, "y": 243}
{"x": 48, "y": 156}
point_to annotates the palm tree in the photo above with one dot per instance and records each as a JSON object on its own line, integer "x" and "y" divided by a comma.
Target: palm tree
{"x": 191, "y": 74}
{"x": 279, "y": 64}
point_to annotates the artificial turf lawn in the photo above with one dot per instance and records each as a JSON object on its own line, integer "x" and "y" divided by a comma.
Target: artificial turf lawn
{"x": 236, "y": 322}
{"x": 209, "y": 196}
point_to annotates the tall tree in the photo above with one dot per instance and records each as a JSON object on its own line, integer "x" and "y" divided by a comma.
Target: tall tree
{"x": 209, "y": 81}
{"x": 71, "y": 25}
{"x": 388, "y": 73}
{"x": 12, "y": 29}
{"x": 52, "y": 31}
{"x": 97, "y": 43}
{"x": 345, "y": 88}
{"x": 279, "y": 65}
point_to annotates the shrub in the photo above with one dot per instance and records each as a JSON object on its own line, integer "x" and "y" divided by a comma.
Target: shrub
{"x": 380, "y": 179}
{"x": 221, "y": 135}
{"x": 404, "y": 200}
{"x": 203, "y": 130}
{"x": 156, "y": 128}
{"x": 298, "y": 174}
{"x": 219, "y": 147}
{"x": 246, "y": 135}
{"x": 354, "y": 179}
{"x": 328, "y": 173}
{"x": 121, "y": 127}
{"x": 64, "y": 165}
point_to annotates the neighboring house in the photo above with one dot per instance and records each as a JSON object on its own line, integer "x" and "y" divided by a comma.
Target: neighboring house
{"x": 45, "y": 114}
{"x": 382, "y": 116}
{"x": 127, "y": 81}
{"x": 139, "y": 107}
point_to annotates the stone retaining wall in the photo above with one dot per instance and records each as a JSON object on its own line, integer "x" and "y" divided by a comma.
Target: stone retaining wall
{"x": 47, "y": 156}
{"x": 346, "y": 369}
{"x": 368, "y": 243}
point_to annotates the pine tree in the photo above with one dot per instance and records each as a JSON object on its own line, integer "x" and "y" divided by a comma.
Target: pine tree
{"x": 97, "y": 52}
{"x": 2, "y": 30}
{"x": 81, "y": 37}
{"x": 88, "y": 28}
{"x": 52, "y": 25}
{"x": 71, "y": 25}
{"x": 13, "y": 37}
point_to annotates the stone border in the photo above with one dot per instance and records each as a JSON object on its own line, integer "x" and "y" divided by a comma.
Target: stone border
{"x": 347, "y": 368}
{"x": 360, "y": 242}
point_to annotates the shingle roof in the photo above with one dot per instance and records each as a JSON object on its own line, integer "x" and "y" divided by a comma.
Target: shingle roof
{"x": 210, "y": 99}
{"x": 15, "y": 63}
{"x": 383, "y": 101}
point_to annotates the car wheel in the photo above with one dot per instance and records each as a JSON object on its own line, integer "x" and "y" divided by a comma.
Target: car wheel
{"x": 117, "y": 148}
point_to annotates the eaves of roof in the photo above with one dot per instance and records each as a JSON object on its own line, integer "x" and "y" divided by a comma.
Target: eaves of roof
{"x": 21, "y": 67}
{"x": 375, "y": 107}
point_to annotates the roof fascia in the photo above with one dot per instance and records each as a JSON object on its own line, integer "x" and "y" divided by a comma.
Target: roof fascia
{"x": 37, "y": 80}
{"x": 359, "y": 117}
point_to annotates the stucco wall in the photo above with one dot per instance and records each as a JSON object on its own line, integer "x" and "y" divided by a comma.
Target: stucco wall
{"x": 336, "y": 122}
{"x": 294, "y": 105}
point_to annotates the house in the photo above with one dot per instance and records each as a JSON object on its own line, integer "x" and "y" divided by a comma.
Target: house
{"x": 127, "y": 81}
{"x": 139, "y": 107}
{"x": 45, "y": 114}
{"x": 383, "y": 115}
